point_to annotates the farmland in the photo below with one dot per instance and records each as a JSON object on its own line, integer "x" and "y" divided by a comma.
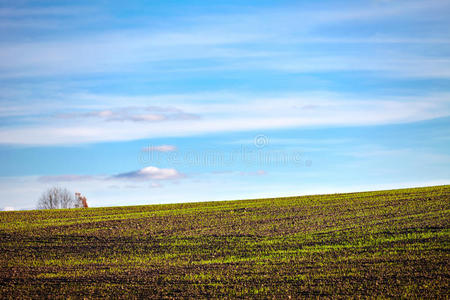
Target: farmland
{"x": 370, "y": 244}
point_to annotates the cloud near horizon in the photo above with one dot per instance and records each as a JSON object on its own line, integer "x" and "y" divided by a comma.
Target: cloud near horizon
{"x": 66, "y": 178}
{"x": 151, "y": 172}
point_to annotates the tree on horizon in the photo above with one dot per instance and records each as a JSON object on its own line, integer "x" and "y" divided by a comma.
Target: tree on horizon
{"x": 57, "y": 198}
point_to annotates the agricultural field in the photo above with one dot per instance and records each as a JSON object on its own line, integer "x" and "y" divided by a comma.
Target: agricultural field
{"x": 373, "y": 244}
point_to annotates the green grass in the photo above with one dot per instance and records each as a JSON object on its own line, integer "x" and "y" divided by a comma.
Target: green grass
{"x": 373, "y": 244}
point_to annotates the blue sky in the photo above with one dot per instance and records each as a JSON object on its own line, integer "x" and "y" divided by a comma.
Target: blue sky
{"x": 143, "y": 102}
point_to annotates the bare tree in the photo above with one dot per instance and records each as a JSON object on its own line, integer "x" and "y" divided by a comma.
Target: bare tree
{"x": 57, "y": 197}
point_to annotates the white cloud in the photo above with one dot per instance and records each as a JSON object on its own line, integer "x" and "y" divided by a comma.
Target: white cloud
{"x": 231, "y": 112}
{"x": 135, "y": 114}
{"x": 148, "y": 118}
{"x": 264, "y": 41}
{"x": 226, "y": 39}
{"x": 151, "y": 172}
{"x": 8, "y": 208}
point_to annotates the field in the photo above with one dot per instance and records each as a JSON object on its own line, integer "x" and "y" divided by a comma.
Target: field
{"x": 371, "y": 244}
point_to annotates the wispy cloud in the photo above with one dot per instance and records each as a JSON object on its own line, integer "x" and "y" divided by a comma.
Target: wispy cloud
{"x": 135, "y": 114}
{"x": 375, "y": 151}
{"x": 124, "y": 55}
{"x": 151, "y": 172}
{"x": 240, "y": 41}
{"x": 43, "y": 11}
{"x": 232, "y": 112}
{"x": 65, "y": 178}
